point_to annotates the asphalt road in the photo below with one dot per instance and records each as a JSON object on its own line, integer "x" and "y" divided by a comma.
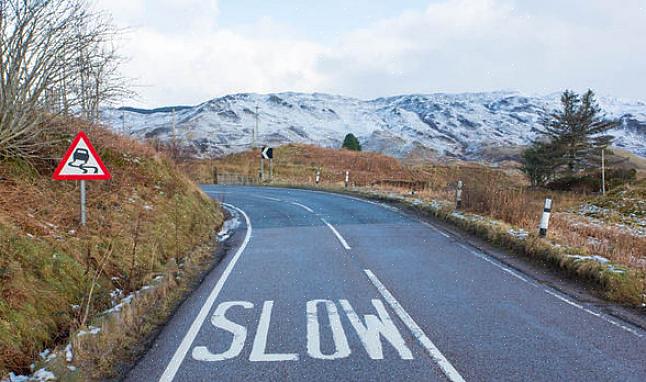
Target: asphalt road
{"x": 326, "y": 287}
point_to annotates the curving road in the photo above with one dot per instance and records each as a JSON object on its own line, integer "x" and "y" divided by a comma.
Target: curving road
{"x": 326, "y": 287}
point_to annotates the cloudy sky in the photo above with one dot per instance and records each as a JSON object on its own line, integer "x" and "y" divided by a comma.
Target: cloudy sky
{"x": 189, "y": 51}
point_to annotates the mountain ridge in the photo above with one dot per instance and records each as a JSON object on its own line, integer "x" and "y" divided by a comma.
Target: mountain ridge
{"x": 456, "y": 125}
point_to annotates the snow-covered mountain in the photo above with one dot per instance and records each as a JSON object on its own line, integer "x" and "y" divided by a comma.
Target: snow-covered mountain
{"x": 454, "y": 125}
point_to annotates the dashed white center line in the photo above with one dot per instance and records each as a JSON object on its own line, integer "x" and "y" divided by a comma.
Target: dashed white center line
{"x": 451, "y": 373}
{"x": 303, "y": 206}
{"x": 338, "y": 235}
{"x": 269, "y": 198}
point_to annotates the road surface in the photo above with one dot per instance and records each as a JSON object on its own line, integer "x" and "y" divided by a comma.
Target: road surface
{"x": 324, "y": 287}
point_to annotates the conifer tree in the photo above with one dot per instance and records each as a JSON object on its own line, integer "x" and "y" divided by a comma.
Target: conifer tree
{"x": 577, "y": 132}
{"x": 351, "y": 143}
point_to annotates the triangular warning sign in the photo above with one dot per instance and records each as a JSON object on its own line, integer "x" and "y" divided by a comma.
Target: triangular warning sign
{"x": 81, "y": 162}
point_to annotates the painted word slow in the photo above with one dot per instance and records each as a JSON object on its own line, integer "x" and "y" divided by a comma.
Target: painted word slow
{"x": 373, "y": 330}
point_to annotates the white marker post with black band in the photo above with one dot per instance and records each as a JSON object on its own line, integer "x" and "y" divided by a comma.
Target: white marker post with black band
{"x": 545, "y": 219}
{"x": 318, "y": 176}
{"x": 458, "y": 195}
{"x": 347, "y": 178}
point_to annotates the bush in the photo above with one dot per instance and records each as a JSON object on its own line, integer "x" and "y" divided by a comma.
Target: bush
{"x": 591, "y": 182}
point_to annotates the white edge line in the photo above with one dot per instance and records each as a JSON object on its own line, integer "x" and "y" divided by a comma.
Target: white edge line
{"x": 303, "y": 206}
{"x": 494, "y": 263}
{"x": 182, "y": 350}
{"x": 554, "y": 294}
{"x": 451, "y": 373}
{"x": 434, "y": 228}
{"x": 599, "y": 315}
{"x": 338, "y": 235}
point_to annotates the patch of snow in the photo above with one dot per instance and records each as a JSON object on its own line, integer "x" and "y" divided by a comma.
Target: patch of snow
{"x": 229, "y": 225}
{"x": 69, "y": 355}
{"x": 16, "y": 378}
{"x": 519, "y": 233}
{"x": 43, "y": 375}
{"x": 93, "y": 330}
{"x": 598, "y": 259}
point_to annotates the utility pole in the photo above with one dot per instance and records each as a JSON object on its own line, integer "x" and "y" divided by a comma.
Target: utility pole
{"x": 603, "y": 172}
{"x": 255, "y": 130}
{"x": 174, "y": 136}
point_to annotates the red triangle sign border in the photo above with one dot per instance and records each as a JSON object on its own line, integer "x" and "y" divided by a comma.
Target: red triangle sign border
{"x": 68, "y": 154}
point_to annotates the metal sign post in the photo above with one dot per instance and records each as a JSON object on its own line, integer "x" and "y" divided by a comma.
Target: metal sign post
{"x": 81, "y": 162}
{"x": 262, "y": 168}
{"x": 83, "y": 211}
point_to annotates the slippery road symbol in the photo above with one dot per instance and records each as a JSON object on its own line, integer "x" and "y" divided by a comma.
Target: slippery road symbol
{"x": 82, "y": 156}
{"x": 81, "y": 162}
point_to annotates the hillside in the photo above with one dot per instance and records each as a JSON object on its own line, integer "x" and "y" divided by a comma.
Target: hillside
{"x": 465, "y": 126}
{"x": 57, "y": 277}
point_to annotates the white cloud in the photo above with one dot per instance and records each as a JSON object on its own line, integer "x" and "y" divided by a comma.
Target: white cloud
{"x": 181, "y": 55}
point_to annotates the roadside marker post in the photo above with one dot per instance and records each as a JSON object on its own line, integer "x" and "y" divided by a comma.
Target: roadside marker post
{"x": 545, "y": 218}
{"x": 81, "y": 162}
{"x": 458, "y": 195}
{"x": 318, "y": 176}
{"x": 347, "y": 178}
{"x": 266, "y": 153}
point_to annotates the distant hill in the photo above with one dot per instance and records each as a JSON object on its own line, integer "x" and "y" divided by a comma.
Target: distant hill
{"x": 465, "y": 126}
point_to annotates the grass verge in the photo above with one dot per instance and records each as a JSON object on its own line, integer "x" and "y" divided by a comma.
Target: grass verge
{"x": 57, "y": 278}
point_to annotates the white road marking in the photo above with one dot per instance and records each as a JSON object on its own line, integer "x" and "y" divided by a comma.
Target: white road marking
{"x": 185, "y": 345}
{"x": 314, "y": 335}
{"x": 451, "y": 373}
{"x": 303, "y": 206}
{"x": 435, "y": 229}
{"x": 550, "y": 292}
{"x": 269, "y": 198}
{"x": 218, "y": 319}
{"x": 258, "y": 351}
{"x": 375, "y": 327}
{"x": 596, "y": 314}
{"x": 338, "y": 235}
{"x": 496, "y": 264}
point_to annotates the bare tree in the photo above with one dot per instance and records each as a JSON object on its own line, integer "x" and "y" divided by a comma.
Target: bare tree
{"x": 56, "y": 56}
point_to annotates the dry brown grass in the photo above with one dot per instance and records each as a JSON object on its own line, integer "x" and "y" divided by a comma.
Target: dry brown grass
{"x": 148, "y": 215}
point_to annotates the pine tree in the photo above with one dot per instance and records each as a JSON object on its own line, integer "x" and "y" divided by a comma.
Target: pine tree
{"x": 577, "y": 131}
{"x": 351, "y": 143}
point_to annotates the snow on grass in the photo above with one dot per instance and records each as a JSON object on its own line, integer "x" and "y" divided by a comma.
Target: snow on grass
{"x": 229, "y": 225}
{"x": 93, "y": 330}
{"x": 43, "y": 375}
{"x": 69, "y": 354}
